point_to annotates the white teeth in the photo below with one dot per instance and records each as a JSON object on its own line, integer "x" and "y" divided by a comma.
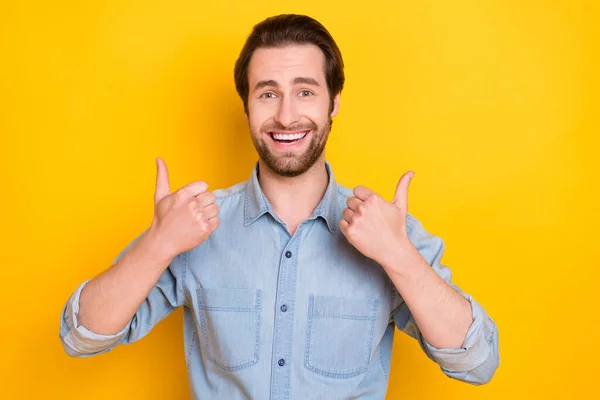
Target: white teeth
{"x": 283, "y": 136}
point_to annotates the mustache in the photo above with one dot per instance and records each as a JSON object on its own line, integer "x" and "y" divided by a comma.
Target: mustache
{"x": 276, "y": 126}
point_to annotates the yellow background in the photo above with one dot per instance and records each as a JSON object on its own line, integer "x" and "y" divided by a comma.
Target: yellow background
{"x": 493, "y": 103}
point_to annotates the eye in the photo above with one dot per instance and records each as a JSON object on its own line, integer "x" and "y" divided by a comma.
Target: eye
{"x": 267, "y": 95}
{"x": 305, "y": 93}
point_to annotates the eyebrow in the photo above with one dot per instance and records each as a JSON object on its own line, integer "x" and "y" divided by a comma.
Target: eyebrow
{"x": 306, "y": 81}
{"x": 297, "y": 81}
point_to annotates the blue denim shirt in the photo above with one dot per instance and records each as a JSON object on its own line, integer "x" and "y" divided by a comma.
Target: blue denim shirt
{"x": 273, "y": 316}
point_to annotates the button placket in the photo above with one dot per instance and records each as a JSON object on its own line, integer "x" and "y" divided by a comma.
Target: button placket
{"x": 284, "y": 318}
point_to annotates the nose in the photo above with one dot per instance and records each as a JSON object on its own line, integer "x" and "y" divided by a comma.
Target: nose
{"x": 287, "y": 113}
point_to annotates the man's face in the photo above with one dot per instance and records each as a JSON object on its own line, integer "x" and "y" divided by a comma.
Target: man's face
{"x": 289, "y": 107}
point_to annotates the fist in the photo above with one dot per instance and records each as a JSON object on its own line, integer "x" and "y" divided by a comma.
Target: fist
{"x": 375, "y": 227}
{"x": 185, "y": 218}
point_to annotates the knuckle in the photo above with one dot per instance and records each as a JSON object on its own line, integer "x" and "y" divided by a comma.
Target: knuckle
{"x": 180, "y": 194}
{"x": 211, "y": 197}
{"x": 350, "y": 231}
{"x": 204, "y": 226}
{"x": 201, "y": 186}
{"x": 206, "y": 199}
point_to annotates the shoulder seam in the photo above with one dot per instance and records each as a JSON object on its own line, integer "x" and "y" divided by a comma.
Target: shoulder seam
{"x": 226, "y": 195}
{"x": 237, "y": 192}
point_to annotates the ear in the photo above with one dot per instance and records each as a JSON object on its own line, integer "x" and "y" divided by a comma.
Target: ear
{"x": 336, "y": 105}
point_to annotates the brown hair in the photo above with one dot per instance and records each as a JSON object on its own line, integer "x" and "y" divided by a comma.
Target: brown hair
{"x": 290, "y": 29}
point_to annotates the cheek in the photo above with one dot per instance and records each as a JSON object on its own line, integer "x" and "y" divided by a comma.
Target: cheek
{"x": 318, "y": 112}
{"x": 257, "y": 115}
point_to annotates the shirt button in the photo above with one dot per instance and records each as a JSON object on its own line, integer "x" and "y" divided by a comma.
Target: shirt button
{"x": 281, "y": 362}
{"x": 283, "y": 308}
{"x": 288, "y": 254}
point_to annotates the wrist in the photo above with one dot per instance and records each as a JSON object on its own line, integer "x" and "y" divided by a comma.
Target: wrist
{"x": 401, "y": 258}
{"x": 156, "y": 248}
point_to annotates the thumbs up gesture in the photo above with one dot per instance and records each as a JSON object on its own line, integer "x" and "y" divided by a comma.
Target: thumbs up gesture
{"x": 376, "y": 227}
{"x": 185, "y": 218}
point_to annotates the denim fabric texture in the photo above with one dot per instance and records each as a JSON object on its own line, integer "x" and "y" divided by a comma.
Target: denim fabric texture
{"x": 268, "y": 315}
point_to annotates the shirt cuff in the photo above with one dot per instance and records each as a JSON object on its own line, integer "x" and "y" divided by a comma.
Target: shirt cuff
{"x": 475, "y": 349}
{"x": 78, "y": 340}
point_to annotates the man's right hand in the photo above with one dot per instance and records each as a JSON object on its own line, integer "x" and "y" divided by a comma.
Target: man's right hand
{"x": 182, "y": 219}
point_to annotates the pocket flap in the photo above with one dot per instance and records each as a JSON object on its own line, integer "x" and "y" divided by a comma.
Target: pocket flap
{"x": 238, "y": 300}
{"x": 340, "y": 307}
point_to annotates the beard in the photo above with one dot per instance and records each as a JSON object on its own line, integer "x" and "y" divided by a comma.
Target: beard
{"x": 291, "y": 164}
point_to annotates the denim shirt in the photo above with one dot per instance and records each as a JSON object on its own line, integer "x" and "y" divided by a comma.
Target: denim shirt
{"x": 269, "y": 315}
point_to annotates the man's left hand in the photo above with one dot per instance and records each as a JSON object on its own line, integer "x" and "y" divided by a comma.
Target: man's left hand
{"x": 377, "y": 228}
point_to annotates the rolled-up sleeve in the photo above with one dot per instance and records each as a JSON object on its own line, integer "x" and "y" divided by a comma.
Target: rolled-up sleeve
{"x": 77, "y": 340}
{"x": 166, "y": 295}
{"x": 478, "y": 358}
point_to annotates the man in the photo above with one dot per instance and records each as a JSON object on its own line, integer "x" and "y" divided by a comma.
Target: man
{"x": 291, "y": 284}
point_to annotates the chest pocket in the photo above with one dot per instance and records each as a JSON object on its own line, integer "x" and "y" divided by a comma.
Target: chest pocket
{"x": 230, "y": 326}
{"x": 340, "y": 335}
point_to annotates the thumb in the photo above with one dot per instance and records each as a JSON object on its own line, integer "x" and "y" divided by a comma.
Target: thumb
{"x": 401, "y": 195}
{"x": 162, "y": 181}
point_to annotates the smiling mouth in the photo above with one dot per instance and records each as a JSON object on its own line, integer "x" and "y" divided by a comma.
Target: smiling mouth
{"x": 288, "y": 138}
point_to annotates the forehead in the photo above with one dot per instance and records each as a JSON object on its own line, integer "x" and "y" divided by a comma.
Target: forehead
{"x": 283, "y": 64}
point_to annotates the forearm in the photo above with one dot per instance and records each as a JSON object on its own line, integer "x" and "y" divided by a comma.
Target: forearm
{"x": 109, "y": 301}
{"x": 442, "y": 314}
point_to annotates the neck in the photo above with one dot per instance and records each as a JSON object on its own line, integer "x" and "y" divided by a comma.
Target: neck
{"x": 294, "y": 198}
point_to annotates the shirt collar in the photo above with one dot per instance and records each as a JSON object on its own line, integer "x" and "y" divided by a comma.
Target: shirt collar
{"x": 256, "y": 204}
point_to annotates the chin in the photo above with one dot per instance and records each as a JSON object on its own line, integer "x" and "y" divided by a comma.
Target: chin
{"x": 290, "y": 167}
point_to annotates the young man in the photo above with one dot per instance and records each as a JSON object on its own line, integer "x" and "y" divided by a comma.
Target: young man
{"x": 291, "y": 284}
